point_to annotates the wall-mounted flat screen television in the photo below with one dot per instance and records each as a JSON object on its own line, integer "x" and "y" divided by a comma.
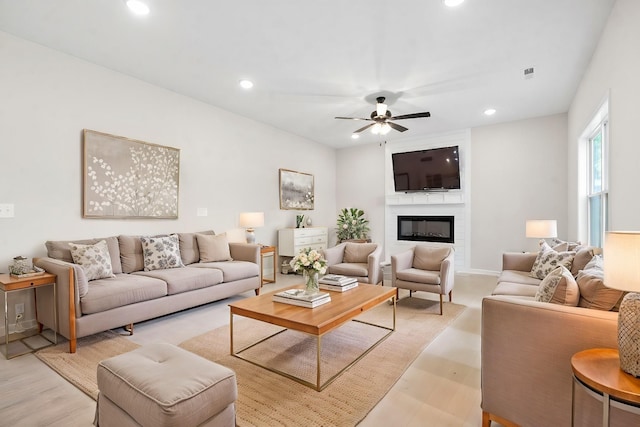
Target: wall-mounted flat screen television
{"x": 427, "y": 170}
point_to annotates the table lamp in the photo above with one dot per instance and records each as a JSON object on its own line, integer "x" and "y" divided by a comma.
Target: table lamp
{"x": 622, "y": 271}
{"x": 251, "y": 220}
{"x": 541, "y": 228}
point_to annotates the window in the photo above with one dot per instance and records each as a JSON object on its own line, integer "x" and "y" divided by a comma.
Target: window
{"x": 598, "y": 186}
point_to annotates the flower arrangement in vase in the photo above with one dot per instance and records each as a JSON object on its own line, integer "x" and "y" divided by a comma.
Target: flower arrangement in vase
{"x": 352, "y": 224}
{"x": 311, "y": 262}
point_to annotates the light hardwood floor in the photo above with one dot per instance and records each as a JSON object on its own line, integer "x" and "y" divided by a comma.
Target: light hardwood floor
{"x": 441, "y": 387}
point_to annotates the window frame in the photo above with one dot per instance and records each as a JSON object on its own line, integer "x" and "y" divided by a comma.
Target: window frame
{"x": 602, "y": 128}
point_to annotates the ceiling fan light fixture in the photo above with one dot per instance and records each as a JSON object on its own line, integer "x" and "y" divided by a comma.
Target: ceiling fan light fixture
{"x": 489, "y": 111}
{"x": 245, "y": 84}
{"x": 381, "y": 109}
{"x": 138, "y": 7}
{"x": 384, "y": 128}
{"x": 376, "y": 129}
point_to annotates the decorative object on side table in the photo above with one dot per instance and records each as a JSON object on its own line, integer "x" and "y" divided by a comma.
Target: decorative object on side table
{"x": 299, "y": 221}
{"x": 311, "y": 262}
{"x": 352, "y": 224}
{"x": 251, "y": 220}
{"x": 622, "y": 271}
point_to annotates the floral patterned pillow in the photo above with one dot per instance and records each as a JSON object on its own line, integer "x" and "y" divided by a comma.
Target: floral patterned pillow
{"x": 161, "y": 252}
{"x": 548, "y": 259}
{"x": 559, "y": 287}
{"x": 94, "y": 259}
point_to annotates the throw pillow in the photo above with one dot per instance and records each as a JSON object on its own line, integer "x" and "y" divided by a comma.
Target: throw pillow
{"x": 559, "y": 287}
{"x": 161, "y": 252}
{"x": 94, "y": 259}
{"x": 593, "y": 292}
{"x": 429, "y": 257}
{"x": 358, "y": 252}
{"x": 571, "y": 246}
{"x": 584, "y": 254}
{"x": 213, "y": 248}
{"x": 548, "y": 259}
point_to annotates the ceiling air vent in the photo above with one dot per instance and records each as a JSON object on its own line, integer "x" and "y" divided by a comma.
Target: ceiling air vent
{"x": 528, "y": 73}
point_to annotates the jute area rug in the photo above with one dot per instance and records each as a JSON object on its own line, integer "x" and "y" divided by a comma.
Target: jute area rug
{"x": 266, "y": 398}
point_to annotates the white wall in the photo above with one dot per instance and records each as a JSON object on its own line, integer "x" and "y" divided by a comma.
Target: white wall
{"x": 614, "y": 69}
{"x": 519, "y": 173}
{"x": 228, "y": 164}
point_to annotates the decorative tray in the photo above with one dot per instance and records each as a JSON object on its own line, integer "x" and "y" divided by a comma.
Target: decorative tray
{"x": 29, "y": 274}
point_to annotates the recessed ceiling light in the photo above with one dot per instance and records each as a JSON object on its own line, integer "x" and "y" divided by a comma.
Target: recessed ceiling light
{"x": 355, "y": 136}
{"x": 138, "y": 7}
{"x": 452, "y": 3}
{"x": 246, "y": 84}
{"x": 489, "y": 111}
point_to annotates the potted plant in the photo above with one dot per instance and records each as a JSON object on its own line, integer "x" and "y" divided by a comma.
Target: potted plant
{"x": 352, "y": 225}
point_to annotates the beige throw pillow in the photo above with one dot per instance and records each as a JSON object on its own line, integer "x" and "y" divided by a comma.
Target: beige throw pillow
{"x": 213, "y": 248}
{"x": 548, "y": 260}
{"x": 559, "y": 287}
{"x": 94, "y": 259}
{"x": 429, "y": 257}
{"x": 593, "y": 292}
{"x": 358, "y": 252}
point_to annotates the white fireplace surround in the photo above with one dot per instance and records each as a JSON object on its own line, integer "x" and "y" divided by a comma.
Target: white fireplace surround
{"x": 450, "y": 203}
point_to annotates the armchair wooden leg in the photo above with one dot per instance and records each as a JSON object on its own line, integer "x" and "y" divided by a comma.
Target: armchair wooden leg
{"x": 129, "y": 328}
{"x": 450, "y": 295}
{"x": 488, "y": 417}
{"x": 440, "y": 304}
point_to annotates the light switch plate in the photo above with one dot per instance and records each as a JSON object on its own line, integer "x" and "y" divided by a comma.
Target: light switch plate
{"x": 6, "y": 210}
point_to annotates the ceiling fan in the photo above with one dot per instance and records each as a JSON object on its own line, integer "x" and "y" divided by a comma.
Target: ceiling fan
{"x": 382, "y": 117}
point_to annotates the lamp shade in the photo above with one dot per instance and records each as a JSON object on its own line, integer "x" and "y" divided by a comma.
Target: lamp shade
{"x": 622, "y": 260}
{"x": 251, "y": 219}
{"x": 542, "y": 228}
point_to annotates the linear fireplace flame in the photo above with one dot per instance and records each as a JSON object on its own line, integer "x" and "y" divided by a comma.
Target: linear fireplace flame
{"x": 426, "y": 228}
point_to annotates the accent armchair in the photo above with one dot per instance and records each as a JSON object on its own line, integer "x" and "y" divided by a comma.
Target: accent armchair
{"x": 424, "y": 268}
{"x": 359, "y": 260}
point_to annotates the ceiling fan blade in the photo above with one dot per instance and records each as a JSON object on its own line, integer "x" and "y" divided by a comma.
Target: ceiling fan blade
{"x": 411, "y": 116}
{"x": 364, "y": 128}
{"x": 397, "y": 127}
{"x": 352, "y": 118}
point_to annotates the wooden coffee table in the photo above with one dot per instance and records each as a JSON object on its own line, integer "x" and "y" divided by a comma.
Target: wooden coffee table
{"x": 344, "y": 306}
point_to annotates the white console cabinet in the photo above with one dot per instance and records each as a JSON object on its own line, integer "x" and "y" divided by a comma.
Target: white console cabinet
{"x": 291, "y": 240}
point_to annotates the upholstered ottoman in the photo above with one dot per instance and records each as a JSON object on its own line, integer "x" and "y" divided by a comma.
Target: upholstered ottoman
{"x": 161, "y": 385}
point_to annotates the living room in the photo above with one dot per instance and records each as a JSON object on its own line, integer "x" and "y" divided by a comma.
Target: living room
{"x": 517, "y": 170}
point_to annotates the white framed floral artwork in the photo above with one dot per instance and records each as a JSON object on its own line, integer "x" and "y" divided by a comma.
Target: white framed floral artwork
{"x": 126, "y": 178}
{"x": 296, "y": 190}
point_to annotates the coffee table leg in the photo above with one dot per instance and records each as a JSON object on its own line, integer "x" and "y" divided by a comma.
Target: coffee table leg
{"x": 319, "y": 350}
{"x": 231, "y": 332}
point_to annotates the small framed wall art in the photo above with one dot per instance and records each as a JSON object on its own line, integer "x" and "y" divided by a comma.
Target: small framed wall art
{"x": 296, "y": 190}
{"x": 126, "y": 178}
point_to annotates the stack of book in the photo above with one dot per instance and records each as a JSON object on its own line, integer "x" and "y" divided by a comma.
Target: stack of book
{"x": 337, "y": 282}
{"x": 299, "y": 297}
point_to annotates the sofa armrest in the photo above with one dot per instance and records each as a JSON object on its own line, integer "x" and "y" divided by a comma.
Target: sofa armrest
{"x": 67, "y": 295}
{"x": 334, "y": 255}
{"x": 521, "y": 261}
{"x": 527, "y": 346}
{"x": 245, "y": 252}
{"x": 401, "y": 261}
{"x": 447, "y": 272}
{"x": 373, "y": 265}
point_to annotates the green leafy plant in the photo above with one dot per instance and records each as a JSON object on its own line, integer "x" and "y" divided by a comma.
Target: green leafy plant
{"x": 352, "y": 224}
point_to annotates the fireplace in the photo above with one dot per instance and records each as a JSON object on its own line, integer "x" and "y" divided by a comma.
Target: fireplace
{"x": 426, "y": 228}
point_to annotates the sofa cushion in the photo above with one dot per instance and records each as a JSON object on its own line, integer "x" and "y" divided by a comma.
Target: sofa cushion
{"x": 559, "y": 287}
{"x": 213, "y": 247}
{"x": 184, "y": 279}
{"x": 517, "y": 276}
{"x": 94, "y": 259}
{"x": 161, "y": 252}
{"x": 354, "y": 269}
{"x": 131, "y": 253}
{"x": 429, "y": 257}
{"x": 516, "y": 289}
{"x": 59, "y": 249}
{"x": 358, "y": 252}
{"x": 124, "y": 289}
{"x": 548, "y": 260}
{"x": 189, "y": 246}
{"x": 419, "y": 276}
{"x": 231, "y": 270}
{"x": 593, "y": 292}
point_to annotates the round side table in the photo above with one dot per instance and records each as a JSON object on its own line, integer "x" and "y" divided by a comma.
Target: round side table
{"x": 598, "y": 369}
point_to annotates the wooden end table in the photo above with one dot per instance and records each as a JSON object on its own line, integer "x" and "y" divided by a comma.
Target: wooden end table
{"x": 266, "y": 250}
{"x": 598, "y": 369}
{"x": 10, "y": 284}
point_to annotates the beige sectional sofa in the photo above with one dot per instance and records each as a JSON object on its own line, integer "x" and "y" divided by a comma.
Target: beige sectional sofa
{"x": 132, "y": 294}
{"x": 526, "y": 351}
